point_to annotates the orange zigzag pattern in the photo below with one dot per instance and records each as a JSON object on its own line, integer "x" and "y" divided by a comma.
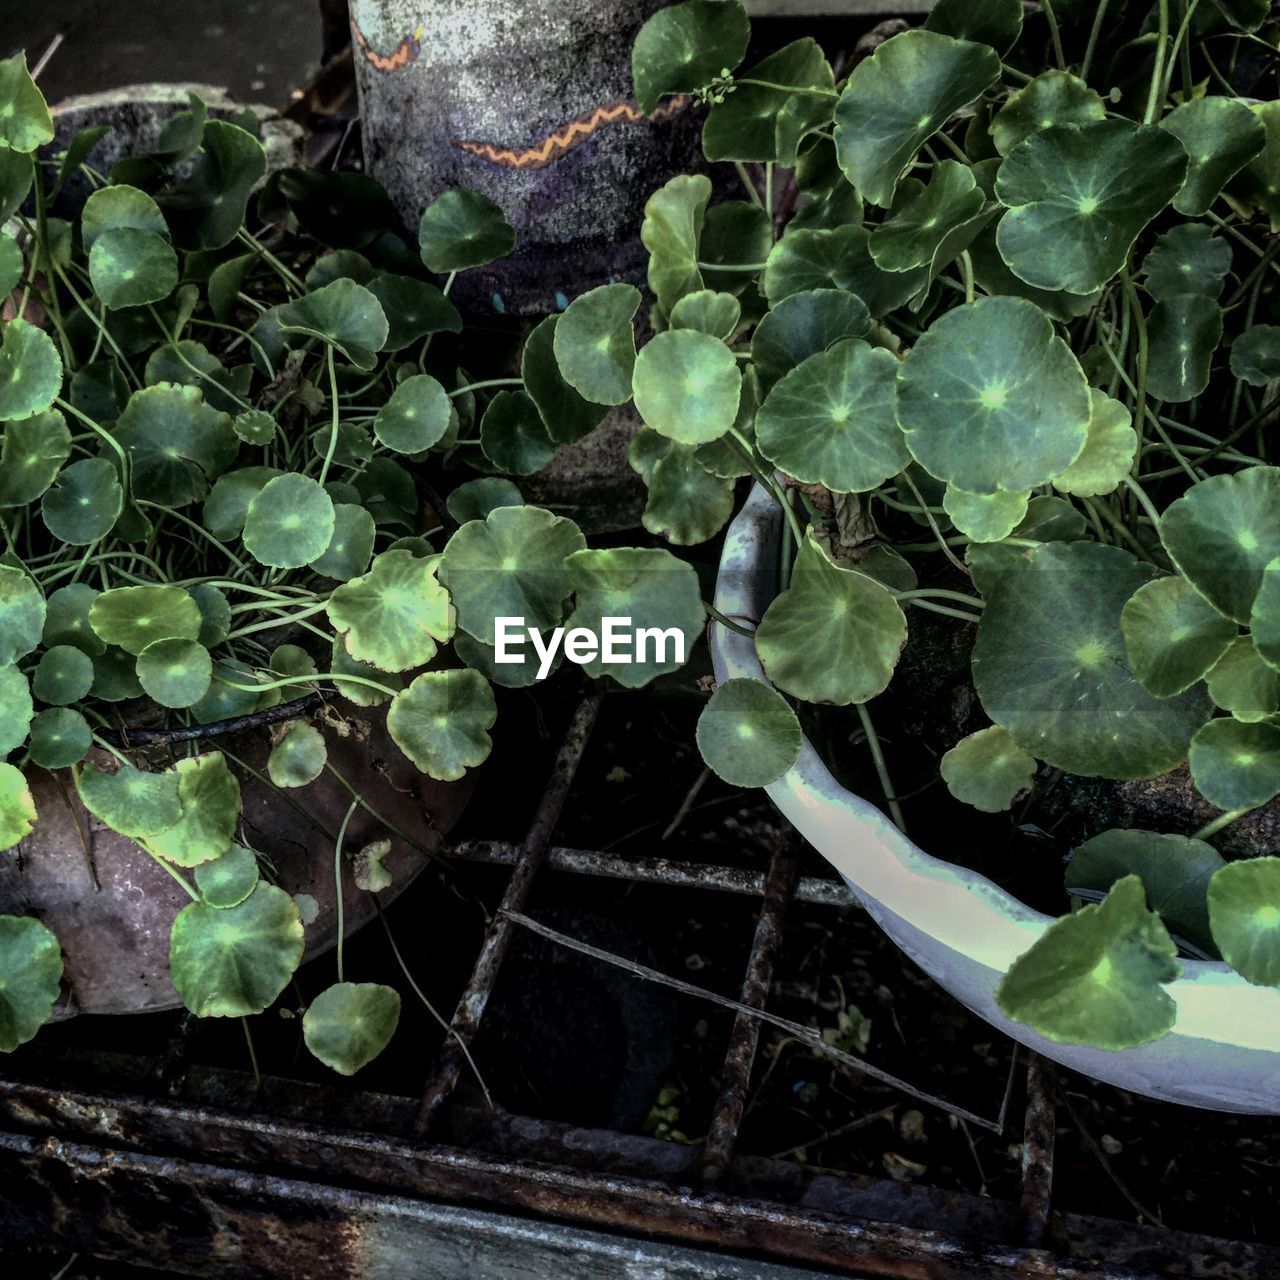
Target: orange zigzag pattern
{"x": 403, "y": 54}
{"x": 569, "y": 136}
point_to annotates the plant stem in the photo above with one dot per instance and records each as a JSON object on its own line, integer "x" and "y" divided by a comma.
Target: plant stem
{"x": 1136, "y": 489}
{"x": 253, "y": 1056}
{"x": 1054, "y": 33}
{"x": 933, "y": 524}
{"x": 1098, "y": 19}
{"x": 1219, "y": 823}
{"x": 882, "y": 770}
{"x": 333, "y": 428}
{"x": 1154, "y": 96}
{"x": 482, "y": 386}
{"x": 337, "y": 879}
{"x": 725, "y": 621}
{"x": 966, "y": 270}
{"x": 752, "y": 190}
{"x": 790, "y": 89}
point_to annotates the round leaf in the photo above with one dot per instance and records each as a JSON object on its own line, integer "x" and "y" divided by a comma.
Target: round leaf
{"x": 232, "y": 962}
{"x": 687, "y": 386}
{"x": 210, "y": 798}
{"x": 686, "y": 503}
{"x": 227, "y": 505}
{"x": 343, "y": 314}
{"x": 227, "y": 881}
{"x": 207, "y": 208}
{"x": 1187, "y": 259}
{"x": 1183, "y": 332}
{"x": 348, "y": 552}
{"x": 1110, "y": 446}
{"x": 25, "y": 124}
{"x": 350, "y": 1024}
{"x": 1053, "y": 97}
{"x": 513, "y": 435}
{"x": 476, "y": 498}
{"x": 985, "y": 517}
{"x": 30, "y": 957}
{"x": 1049, "y": 666}
{"x": 671, "y": 231}
{"x": 415, "y": 417}
{"x": 84, "y": 503}
{"x": 175, "y": 672}
{"x": 1243, "y": 685}
{"x": 177, "y": 444}
{"x": 441, "y": 722}
{"x": 988, "y": 770}
{"x": 803, "y": 325}
{"x": 1244, "y": 914}
{"x": 299, "y": 757}
{"x": 130, "y": 801}
{"x": 923, "y": 217}
{"x": 683, "y": 47}
{"x": 289, "y": 522}
{"x": 60, "y": 738}
{"x": 129, "y": 268}
{"x": 837, "y": 258}
{"x": 63, "y": 675}
{"x": 17, "y": 808}
{"x": 1172, "y": 635}
{"x": 1078, "y": 195}
{"x": 22, "y": 612}
{"x": 717, "y": 314}
{"x": 32, "y": 451}
{"x": 413, "y": 309}
{"x": 462, "y": 229}
{"x": 595, "y": 343}
{"x": 15, "y": 710}
{"x": 1255, "y": 355}
{"x": 67, "y": 619}
{"x": 566, "y": 415}
{"x": 1221, "y": 136}
{"x": 134, "y": 617}
{"x": 994, "y": 22}
{"x": 30, "y": 370}
{"x": 991, "y": 398}
{"x": 1236, "y": 765}
{"x": 748, "y": 734}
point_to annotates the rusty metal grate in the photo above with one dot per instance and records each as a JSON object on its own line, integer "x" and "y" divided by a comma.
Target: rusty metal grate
{"x": 320, "y": 1181}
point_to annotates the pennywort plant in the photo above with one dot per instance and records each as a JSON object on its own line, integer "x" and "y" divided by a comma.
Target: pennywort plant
{"x": 993, "y": 325}
{"x": 229, "y": 403}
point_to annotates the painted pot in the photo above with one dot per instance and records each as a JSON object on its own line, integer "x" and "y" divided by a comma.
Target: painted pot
{"x": 531, "y": 103}
{"x": 1223, "y": 1052}
{"x": 115, "y": 938}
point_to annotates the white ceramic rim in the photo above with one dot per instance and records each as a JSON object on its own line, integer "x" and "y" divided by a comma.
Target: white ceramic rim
{"x": 964, "y": 931}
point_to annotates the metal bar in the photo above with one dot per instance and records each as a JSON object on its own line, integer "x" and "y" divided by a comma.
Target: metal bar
{"x": 735, "y": 1078}
{"x": 1037, "y": 1152}
{"x": 662, "y": 871}
{"x": 475, "y": 999}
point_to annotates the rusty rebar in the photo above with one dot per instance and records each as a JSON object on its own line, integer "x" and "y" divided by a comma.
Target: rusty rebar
{"x": 1037, "y": 1152}
{"x": 735, "y": 1077}
{"x": 474, "y": 1000}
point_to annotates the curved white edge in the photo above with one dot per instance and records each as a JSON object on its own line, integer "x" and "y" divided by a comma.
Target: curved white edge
{"x": 964, "y": 931}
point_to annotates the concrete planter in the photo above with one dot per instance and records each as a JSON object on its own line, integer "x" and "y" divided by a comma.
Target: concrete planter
{"x": 530, "y": 102}
{"x": 964, "y": 931}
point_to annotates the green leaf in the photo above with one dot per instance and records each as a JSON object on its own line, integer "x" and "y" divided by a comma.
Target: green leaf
{"x": 736, "y": 235}
{"x": 115, "y": 677}
{"x": 994, "y": 277}
{"x": 345, "y": 315}
{"x": 923, "y": 217}
{"x": 84, "y": 503}
{"x": 16, "y": 173}
{"x": 350, "y": 1023}
{"x": 830, "y": 421}
{"x": 299, "y": 757}
{"x": 11, "y": 264}
{"x": 1248, "y": 15}
{"x": 1221, "y": 136}
{"x": 754, "y": 123}
{"x": 1172, "y": 635}
{"x": 462, "y": 229}
{"x": 1255, "y": 355}
{"x": 413, "y": 309}
{"x": 349, "y": 210}
{"x": 1175, "y": 872}
{"x": 1109, "y": 450}
{"x": 1095, "y": 977}
{"x": 63, "y": 675}
{"x": 15, "y": 709}
{"x": 25, "y": 124}
{"x": 834, "y": 635}
{"x": 67, "y": 619}
{"x": 991, "y": 398}
{"x": 210, "y": 798}
{"x": 415, "y": 417}
{"x": 1236, "y": 765}
{"x": 687, "y": 386}
{"x": 227, "y": 505}
{"x": 513, "y": 435}
{"x": 1244, "y": 914}
{"x": 206, "y": 209}
{"x": 900, "y": 97}
{"x": 371, "y": 873}
{"x": 985, "y": 517}
{"x": 134, "y": 617}
{"x": 1265, "y": 619}
{"x": 338, "y": 264}
{"x": 342, "y": 663}
{"x": 254, "y": 426}
{"x": 988, "y": 770}
{"x": 130, "y": 268}
{"x": 566, "y": 414}
{"x": 671, "y": 231}
{"x": 30, "y": 371}
{"x": 1183, "y": 334}
{"x": 658, "y": 592}
{"x": 837, "y": 258}
{"x": 177, "y": 444}
{"x": 60, "y": 738}
{"x": 32, "y": 451}
{"x": 1257, "y": 185}
{"x": 1053, "y": 97}
{"x": 1078, "y": 196}
{"x": 22, "y": 611}
{"x": 683, "y": 47}
{"x": 175, "y": 672}
{"x": 120, "y": 208}
{"x": 129, "y": 801}
{"x": 351, "y": 546}
{"x": 215, "y": 614}
{"x": 717, "y": 314}
{"x": 17, "y": 810}
{"x": 511, "y": 564}
{"x": 748, "y": 735}
{"x": 395, "y": 616}
{"x": 1068, "y": 696}
{"x": 230, "y": 962}
{"x": 227, "y": 881}
{"x": 289, "y": 522}
{"x": 442, "y": 722}
{"x": 803, "y": 325}
{"x": 1222, "y": 533}
{"x": 30, "y": 957}
{"x": 994, "y": 22}
{"x": 474, "y": 499}
{"x": 595, "y": 343}
{"x": 686, "y": 503}
{"x": 1243, "y": 685}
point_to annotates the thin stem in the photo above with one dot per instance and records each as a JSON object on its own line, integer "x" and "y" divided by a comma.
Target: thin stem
{"x": 725, "y": 621}
{"x": 966, "y": 271}
{"x": 334, "y": 425}
{"x": 933, "y": 525}
{"x": 750, "y": 186}
{"x": 732, "y": 266}
{"x": 1136, "y": 489}
{"x": 482, "y": 386}
{"x": 937, "y": 593}
{"x": 882, "y": 769}
{"x": 1154, "y": 96}
{"x": 337, "y": 879}
{"x": 1054, "y": 33}
{"x": 253, "y": 1056}
{"x": 1220, "y": 822}
{"x": 789, "y": 89}
{"x": 247, "y": 238}
{"x": 1098, "y": 19}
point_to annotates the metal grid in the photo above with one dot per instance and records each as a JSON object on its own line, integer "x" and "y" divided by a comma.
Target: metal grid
{"x": 318, "y": 1181}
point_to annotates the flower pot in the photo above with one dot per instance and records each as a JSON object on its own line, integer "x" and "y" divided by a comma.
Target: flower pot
{"x": 530, "y": 102}
{"x": 115, "y": 940}
{"x": 1223, "y": 1052}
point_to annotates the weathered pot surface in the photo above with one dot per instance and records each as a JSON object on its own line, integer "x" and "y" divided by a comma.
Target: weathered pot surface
{"x": 1223, "y": 1052}
{"x": 115, "y": 941}
{"x": 530, "y": 102}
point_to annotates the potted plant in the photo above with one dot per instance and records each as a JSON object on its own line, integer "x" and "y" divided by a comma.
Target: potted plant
{"x": 989, "y": 332}
{"x": 257, "y": 532}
